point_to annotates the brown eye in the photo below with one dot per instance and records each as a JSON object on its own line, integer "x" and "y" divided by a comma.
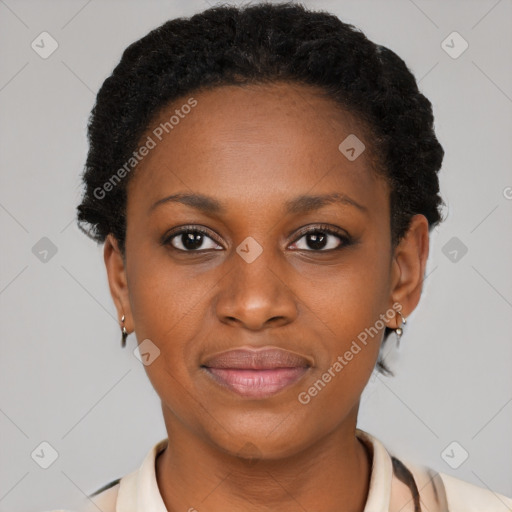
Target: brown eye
{"x": 321, "y": 239}
{"x": 191, "y": 240}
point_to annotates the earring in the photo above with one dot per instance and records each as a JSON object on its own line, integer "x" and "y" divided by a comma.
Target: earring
{"x": 124, "y": 333}
{"x": 399, "y": 330}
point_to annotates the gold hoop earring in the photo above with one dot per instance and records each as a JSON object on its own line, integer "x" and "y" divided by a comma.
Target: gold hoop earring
{"x": 124, "y": 333}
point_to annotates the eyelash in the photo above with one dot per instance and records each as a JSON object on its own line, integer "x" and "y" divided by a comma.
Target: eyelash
{"x": 321, "y": 228}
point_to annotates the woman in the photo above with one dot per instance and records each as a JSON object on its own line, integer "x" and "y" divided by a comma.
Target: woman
{"x": 264, "y": 180}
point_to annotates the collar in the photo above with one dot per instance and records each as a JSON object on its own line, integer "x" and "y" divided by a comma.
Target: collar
{"x": 139, "y": 490}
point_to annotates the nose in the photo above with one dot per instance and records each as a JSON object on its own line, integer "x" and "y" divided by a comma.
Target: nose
{"x": 255, "y": 295}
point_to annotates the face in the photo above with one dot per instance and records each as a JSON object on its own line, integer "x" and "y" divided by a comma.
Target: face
{"x": 247, "y": 260}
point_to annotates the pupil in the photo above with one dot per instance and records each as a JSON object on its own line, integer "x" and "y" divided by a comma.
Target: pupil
{"x": 316, "y": 241}
{"x": 192, "y": 240}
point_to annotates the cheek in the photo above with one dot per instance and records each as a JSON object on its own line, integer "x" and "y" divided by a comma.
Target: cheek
{"x": 352, "y": 317}
{"x": 161, "y": 294}
{"x": 167, "y": 306}
{"x": 351, "y": 297}
{"x": 162, "y": 312}
{"x": 349, "y": 353}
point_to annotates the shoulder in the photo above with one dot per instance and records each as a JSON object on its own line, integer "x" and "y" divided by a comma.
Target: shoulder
{"x": 138, "y": 486}
{"x": 465, "y": 497}
{"x": 407, "y": 486}
{"x": 104, "y": 499}
{"x": 445, "y": 492}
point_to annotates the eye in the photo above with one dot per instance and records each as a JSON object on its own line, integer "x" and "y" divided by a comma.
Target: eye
{"x": 321, "y": 239}
{"x": 191, "y": 239}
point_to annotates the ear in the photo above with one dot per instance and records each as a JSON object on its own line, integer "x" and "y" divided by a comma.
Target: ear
{"x": 408, "y": 267}
{"x": 118, "y": 284}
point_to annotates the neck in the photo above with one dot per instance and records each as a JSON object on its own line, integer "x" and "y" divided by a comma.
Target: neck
{"x": 331, "y": 474}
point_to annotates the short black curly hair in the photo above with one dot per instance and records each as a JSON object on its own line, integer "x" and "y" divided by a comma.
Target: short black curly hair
{"x": 258, "y": 44}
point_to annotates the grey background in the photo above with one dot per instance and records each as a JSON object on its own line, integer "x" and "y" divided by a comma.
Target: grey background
{"x": 64, "y": 377}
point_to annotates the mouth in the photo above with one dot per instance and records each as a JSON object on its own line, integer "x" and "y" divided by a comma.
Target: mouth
{"x": 256, "y": 373}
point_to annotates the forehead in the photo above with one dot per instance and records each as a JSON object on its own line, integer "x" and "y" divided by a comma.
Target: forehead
{"x": 245, "y": 143}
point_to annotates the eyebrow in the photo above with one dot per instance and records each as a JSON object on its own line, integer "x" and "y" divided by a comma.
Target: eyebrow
{"x": 300, "y": 204}
{"x": 201, "y": 202}
{"x": 307, "y": 203}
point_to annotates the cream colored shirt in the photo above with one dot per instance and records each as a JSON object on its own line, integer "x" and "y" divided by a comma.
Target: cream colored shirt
{"x": 393, "y": 486}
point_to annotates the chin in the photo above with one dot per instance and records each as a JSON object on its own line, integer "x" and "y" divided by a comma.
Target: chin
{"x": 258, "y": 440}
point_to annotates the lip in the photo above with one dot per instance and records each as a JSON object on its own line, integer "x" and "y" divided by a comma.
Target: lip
{"x": 266, "y": 358}
{"x": 256, "y": 373}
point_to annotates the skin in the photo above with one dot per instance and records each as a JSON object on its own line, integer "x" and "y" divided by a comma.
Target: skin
{"x": 254, "y": 148}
